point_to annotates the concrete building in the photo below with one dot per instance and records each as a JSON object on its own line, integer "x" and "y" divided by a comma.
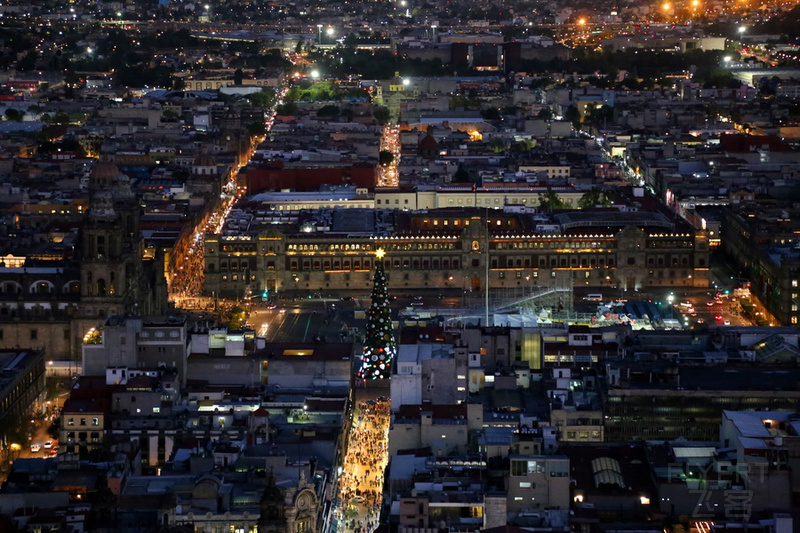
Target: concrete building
{"x": 762, "y": 241}
{"x": 766, "y": 447}
{"x": 287, "y": 366}
{"x": 575, "y": 406}
{"x": 663, "y": 401}
{"x": 128, "y": 341}
{"x": 417, "y": 368}
{"x": 444, "y": 428}
{"x": 538, "y": 482}
{"x": 21, "y": 391}
{"x": 83, "y": 425}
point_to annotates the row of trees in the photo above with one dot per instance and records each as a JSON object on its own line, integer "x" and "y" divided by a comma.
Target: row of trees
{"x": 550, "y": 200}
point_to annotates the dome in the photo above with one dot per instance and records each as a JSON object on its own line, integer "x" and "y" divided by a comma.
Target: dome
{"x": 428, "y": 143}
{"x": 205, "y": 160}
{"x": 105, "y": 170}
{"x": 107, "y": 176}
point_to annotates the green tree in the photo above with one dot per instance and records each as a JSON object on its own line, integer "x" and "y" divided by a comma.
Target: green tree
{"x": 380, "y": 346}
{"x": 545, "y": 114}
{"x": 497, "y": 145}
{"x": 61, "y": 118}
{"x": 461, "y": 175}
{"x": 262, "y": 98}
{"x": 288, "y": 108}
{"x": 573, "y": 115}
{"x": 14, "y": 115}
{"x": 601, "y": 115}
{"x": 491, "y": 113}
{"x": 236, "y": 318}
{"x": 256, "y": 129}
{"x": 593, "y": 198}
{"x": 523, "y": 146}
{"x": 550, "y": 200}
{"x": 382, "y": 114}
{"x": 385, "y": 158}
{"x": 329, "y": 110}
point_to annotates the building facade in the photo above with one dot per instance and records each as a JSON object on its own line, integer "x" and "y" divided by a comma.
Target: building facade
{"x": 763, "y": 244}
{"x": 464, "y": 249}
{"x": 21, "y": 391}
{"x": 50, "y": 301}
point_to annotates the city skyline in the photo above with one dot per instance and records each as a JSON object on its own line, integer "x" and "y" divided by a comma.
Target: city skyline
{"x": 399, "y": 267}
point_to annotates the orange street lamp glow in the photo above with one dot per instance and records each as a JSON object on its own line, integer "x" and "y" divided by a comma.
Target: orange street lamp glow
{"x": 581, "y": 21}
{"x": 666, "y": 6}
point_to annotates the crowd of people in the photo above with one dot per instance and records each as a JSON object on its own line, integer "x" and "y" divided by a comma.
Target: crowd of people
{"x": 187, "y": 281}
{"x": 361, "y": 481}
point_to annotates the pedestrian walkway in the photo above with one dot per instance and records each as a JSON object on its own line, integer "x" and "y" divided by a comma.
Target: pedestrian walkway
{"x": 360, "y": 494}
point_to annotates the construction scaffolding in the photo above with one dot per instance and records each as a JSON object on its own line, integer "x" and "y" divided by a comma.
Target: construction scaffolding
{"x": 524, "y": 305}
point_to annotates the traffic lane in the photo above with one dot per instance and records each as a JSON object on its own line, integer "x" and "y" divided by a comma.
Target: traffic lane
{"x": 709, "y": 311}
{"x": 302, "y": 323}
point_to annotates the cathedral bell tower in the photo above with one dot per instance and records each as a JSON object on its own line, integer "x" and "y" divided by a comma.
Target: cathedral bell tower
{"x": 111, "y": 258}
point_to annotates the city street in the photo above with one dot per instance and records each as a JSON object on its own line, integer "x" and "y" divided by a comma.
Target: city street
{"x": 360, "y": 494}
{"x": 305, "y": 320}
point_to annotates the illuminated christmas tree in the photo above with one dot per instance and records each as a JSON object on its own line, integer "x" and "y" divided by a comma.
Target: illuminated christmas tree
{"x": 379, "y": 344}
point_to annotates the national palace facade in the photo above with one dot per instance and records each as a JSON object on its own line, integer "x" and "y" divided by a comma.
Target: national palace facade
{"x": 461, "y": 248}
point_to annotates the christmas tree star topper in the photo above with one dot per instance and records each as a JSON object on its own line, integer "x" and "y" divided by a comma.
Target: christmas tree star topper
{"x": 379, "y": 253}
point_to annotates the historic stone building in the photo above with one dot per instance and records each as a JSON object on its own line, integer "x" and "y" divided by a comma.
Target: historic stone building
{"x": 51, "y": 298}
{"x": 458, "y": 249}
